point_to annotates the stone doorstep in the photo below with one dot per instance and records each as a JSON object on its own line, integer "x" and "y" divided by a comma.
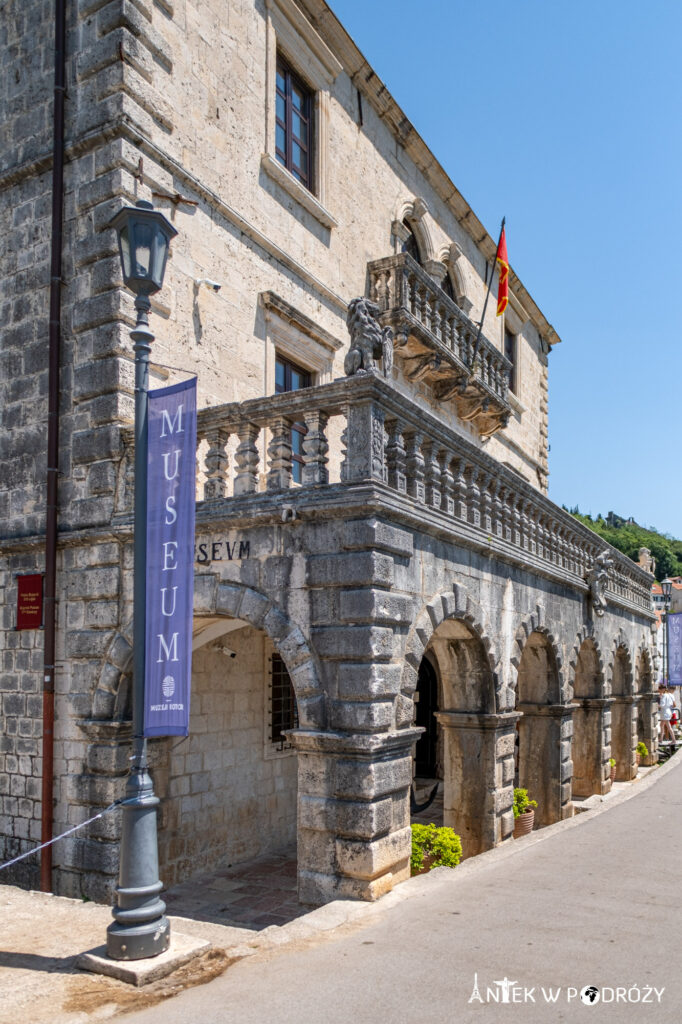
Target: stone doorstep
{"x": 183, "y": 948}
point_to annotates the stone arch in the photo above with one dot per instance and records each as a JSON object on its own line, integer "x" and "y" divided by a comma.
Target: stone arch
{"x": 233, "y": 601}
{"x": 646, "y": 703}
{"x": 620, "y": 685}
{"x": 452, "y": 259}
{"x": 644, "y": 668}
{"x": 451, "y": 636}
{"x": 591, "y": 715}
{"x": 541, "y": 764}
{"x": 536, "y": 623}
{"x": 586, "y": 632}
{"x": 455, "y": 603}
{"x": 413, "y": 212}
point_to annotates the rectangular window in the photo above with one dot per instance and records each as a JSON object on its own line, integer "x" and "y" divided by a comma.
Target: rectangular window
{"x": 510, "y": 347}
{"x": 289, "y": 377}
{"x": 283, "y": 710}
{"x": 294, "y": 124}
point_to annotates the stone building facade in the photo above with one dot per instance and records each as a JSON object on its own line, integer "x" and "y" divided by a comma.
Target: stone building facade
{"x": 374, "y": 549}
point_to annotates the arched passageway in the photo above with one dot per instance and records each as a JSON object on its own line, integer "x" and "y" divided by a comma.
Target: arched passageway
{"x": 467, "y": 745}
{"x": 539, "y": 730}
{"x": 623, "y": 712}
{"x": 230, "y": 787}
{"x": 589, "y": 708}
{"x": 645, "y": 708}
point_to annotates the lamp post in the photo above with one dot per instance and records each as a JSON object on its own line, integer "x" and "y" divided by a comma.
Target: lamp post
{"x": 666, "y": 590}
{"x": 140, "y": 928}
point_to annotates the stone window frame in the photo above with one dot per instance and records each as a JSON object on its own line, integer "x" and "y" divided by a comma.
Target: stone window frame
{"x": 292, "y": 334}
{"x": 290, "y": 35}
{"x": 271, "y": 750}
{"x": 513, "y": 324}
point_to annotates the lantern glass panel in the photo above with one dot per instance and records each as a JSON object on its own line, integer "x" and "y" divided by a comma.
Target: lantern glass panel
{"x": 124, "y": 242}
{"x": 144, "y": 241}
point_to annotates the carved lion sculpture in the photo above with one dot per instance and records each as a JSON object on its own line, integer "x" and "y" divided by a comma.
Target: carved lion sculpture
{"x": 368, "y": 342}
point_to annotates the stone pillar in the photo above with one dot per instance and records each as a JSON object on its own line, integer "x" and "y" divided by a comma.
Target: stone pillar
{"x": 624, "y": 737}
{"x": 478, "y": 766}
{"x": 647, "y": 726}
{"x": 591, "y": 746}
{"x": 545, "y": 766}
{"x": 354, "y": 836}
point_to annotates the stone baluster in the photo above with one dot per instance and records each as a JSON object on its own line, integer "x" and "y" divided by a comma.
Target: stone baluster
{"x": 418, "y": 300}
{"x": 247, "y": 458}
{"x": 216, "y": 463}
{"x": 447, "y": 330}
{"x": 474, "y": 496}
{"x": 532, "y": 528}
{"x": 279, "y": 455}
{"x": 415, "y": 465}
{"x": 460, "y": 489}
{"x": 496, "y": 496}
{"x": 486, "y": 504}
{"x": 516, "y": 521}
{"x": 395, "y": 457}
{"x": 541, "y": 538}
{"x": 524, "y": 507}
{"x": 447, "y": 483}
{"x": 432, "y": 487}
{"x": 315, "y": 448}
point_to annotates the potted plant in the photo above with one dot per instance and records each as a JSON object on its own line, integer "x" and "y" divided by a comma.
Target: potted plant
{"x": 434, "y": 846}
{"x": 612, "y": 767}
{"x": 524, "y": 813}
{"x": 641, "y": 751}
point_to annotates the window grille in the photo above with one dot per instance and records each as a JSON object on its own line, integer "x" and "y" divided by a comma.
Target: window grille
{"x": 282, "y": 703}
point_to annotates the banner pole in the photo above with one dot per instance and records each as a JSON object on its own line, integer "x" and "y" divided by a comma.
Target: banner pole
{"x": 485, "y": 304}
{"x": 140, "y": 928}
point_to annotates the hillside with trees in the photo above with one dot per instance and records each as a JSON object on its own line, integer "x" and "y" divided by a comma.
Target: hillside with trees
{"x": 628, "y": 536}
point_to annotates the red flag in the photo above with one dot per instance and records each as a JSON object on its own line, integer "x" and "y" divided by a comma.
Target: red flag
{"x": 503, "y": 269}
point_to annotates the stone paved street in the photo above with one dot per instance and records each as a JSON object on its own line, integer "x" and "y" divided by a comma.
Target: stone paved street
{"x": 253, "y": 895}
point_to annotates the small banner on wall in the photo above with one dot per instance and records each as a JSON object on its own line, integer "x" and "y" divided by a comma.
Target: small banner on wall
{"x": 674, "y": 625}
{"x": 171, "y": 471}
{"x": 30, "y": 601}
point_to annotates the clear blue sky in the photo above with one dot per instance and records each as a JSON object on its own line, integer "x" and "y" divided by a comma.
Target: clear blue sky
{"x": 566, "y": 118}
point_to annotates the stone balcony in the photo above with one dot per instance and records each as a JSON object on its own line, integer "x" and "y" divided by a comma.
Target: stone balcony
{"x": 396, "y": 459}
{"x": 436, "y": 342}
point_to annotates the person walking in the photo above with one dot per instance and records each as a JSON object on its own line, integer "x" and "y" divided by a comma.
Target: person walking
{"x": 665, "y": 713}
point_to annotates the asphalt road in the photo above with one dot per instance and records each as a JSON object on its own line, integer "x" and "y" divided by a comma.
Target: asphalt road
{"x": 592, "y": 903}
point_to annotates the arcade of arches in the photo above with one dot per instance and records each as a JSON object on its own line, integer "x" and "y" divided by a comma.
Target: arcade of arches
{"x": 557, "y": 749}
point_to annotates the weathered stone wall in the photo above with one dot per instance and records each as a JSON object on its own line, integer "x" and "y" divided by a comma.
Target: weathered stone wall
{"x": 227, "y": 793}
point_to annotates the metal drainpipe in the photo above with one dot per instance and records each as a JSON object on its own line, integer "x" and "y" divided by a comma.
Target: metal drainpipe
{"x": 53, "y": 441}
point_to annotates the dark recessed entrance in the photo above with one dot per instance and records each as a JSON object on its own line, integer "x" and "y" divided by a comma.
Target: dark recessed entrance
{"x": 426, "y": 752}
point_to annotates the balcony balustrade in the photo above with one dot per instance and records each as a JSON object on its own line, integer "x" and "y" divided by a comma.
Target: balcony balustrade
{"x": 436, "y": 342}
{"x": 392, "y": 454}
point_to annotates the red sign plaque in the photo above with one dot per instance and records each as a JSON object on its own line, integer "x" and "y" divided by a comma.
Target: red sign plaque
{"x": 30, "y": 601}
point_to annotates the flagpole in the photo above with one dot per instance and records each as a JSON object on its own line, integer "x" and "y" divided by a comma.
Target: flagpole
{"x": 485, "y": 304}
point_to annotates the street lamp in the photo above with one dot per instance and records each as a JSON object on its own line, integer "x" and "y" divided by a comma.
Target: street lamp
{"x": 140, "y": 928}
{"x": 666, "y": 590}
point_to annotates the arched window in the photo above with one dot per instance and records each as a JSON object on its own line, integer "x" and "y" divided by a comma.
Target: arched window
{"x": 446, "y": 286}
{"x": 409, "y": 244}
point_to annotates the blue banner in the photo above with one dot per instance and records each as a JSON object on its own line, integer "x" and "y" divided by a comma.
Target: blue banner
{"x": 674, "y": 621}
{"x": 171, "y": 472}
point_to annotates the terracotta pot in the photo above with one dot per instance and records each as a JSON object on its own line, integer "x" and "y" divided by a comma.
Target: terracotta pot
{"x": 612, "y": 772}
{"x": 639, "y": 759}
{"x": 426, "y": 866}
{"x": 523, "y": 825}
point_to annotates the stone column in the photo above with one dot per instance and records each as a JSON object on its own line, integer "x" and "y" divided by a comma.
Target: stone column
{"x": 624, "y": 737}
{"x": 478, "y": 765}
{"x": 354, "y": 836}
{"x": 591, "y": 745}
{"x": 545, "y": 766}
